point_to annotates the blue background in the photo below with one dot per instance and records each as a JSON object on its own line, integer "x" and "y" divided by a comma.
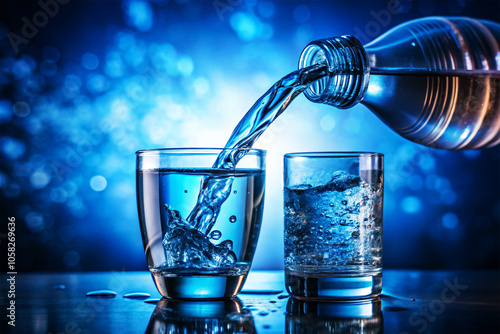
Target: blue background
{"x": 99, "y": 80}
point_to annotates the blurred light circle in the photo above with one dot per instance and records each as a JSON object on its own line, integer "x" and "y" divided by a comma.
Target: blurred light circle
{"x": 5, "y": 111}
{"x": 266, "y": 8}
{"x": 449, "y": 220}
{"x": 58, "y": 195}
{"x": 201, "y": 86}
{"x": 327, "y": 123}
{"x": 51, "y": 54}
{"x": 71, "y": 258}
{"x": 12, "y": 148}
{"x": 448, "y": 197}
{"x": 185, "y": 66}
{"x": 472, "y": 154}
{"x": 97, "y": 83}
{"x": 3, "y": 180}
{"x": 12, "y": 190}
{"x": 48, "y": 69}
{"x": 301, "y": 13}
{"x": 21, "y": 109}
{"x": 35, "y": 221}
{"x": 244, "y": 25}
{"x": 98, "y": 183}
{"x": 90, "y": 61}
{"x": 411, "y": 204}
{"x": 39, "y": 180}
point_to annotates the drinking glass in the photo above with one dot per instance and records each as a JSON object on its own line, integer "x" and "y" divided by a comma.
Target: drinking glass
{"x": 203, "y": 252}
{"x": 333, "y": 224}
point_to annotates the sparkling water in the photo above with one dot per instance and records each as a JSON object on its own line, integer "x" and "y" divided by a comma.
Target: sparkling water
{"x": 193, "y": 261}
{"x": 334, "y": 230}
{"x": 190, "y": 242}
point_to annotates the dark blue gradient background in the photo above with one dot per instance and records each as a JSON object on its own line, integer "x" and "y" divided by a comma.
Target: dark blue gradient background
{"x": 102, "y": 79}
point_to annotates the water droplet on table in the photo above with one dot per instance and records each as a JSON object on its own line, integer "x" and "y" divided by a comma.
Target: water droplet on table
{"x": 137, "y": 295}
{"x": 152, "y": 300}
{"x": 261, "y": 292}
{"x": 102, "y": 294}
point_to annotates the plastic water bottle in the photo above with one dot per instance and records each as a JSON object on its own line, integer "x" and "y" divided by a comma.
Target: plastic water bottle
{"x": 434, "y": 80}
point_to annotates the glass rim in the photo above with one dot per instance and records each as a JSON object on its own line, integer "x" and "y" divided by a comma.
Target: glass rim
{"x": 332, "y": 154}
{"x": 194, "y": 151}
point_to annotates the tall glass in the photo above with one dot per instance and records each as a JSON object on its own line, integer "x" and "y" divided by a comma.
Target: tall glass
{"x": 333, "y": 224}
{"x": 187, "y": 261}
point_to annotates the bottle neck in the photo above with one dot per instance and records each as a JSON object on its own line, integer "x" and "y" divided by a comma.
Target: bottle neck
{"x": 348, "y": 71}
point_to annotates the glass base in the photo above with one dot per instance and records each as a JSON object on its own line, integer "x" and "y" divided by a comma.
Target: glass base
{"x": 198, "y": 286}
{"x": 339, "y": 286}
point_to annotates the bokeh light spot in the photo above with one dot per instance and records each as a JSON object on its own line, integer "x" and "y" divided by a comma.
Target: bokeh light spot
{"x": 327, "y": 123}
{"x": 48, "y": 68}
{"x": 301, "y": 13}
{"x": 51, "y": 54}
{"x": 71, "y": 258}
{"x": 265, "y": 8}
{"x": 139, "y": 14}
{"x": 90, "y": 61}
{"x": 185, "y": 66}
{"x": 411, "y": 204}
{"x": 5, "y": 111}
{"x": 21, "y": 109}
{"x": 12, "y": 148}
{"x": 244, "y": 25}
{"x": 449, "y": 220}
{"x": 201, "y": 86}
{"x": 39, "y": 180}
{"x": 473, "y": 154}
{"x": 98, "y": 183}
{"x": 35, "y": 221}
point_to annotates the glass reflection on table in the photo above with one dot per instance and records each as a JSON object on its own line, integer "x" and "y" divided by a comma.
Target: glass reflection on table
{"x": 210, "y": 316}
{"x": 361, "y": 316}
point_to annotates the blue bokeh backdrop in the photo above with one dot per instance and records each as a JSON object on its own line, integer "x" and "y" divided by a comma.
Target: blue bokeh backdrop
{"x": 84, "y": 84}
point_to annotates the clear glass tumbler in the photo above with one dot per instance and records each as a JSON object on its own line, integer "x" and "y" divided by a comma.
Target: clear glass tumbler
{"x": 333, "y": 224}
{"x": 188, "y": 261}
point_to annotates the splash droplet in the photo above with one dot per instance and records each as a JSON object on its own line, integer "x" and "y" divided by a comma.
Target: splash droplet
{"x": 216, "y": 234}
{"x": 232, "y": 219}
{"x": 59, "y": 287}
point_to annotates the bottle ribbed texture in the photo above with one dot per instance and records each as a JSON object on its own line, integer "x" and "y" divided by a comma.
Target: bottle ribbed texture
{"x": 348, "y": 71}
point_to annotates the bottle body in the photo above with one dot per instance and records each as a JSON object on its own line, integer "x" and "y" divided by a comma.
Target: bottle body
{"x": 435, "y": 81}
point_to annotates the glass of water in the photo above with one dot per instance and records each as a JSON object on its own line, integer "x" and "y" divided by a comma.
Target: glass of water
{"x": 333, "y": 224}
{"x": 199, "y": 224}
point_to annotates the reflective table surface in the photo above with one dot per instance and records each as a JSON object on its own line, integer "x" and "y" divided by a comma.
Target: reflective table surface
{"x": 411, "y": 302}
